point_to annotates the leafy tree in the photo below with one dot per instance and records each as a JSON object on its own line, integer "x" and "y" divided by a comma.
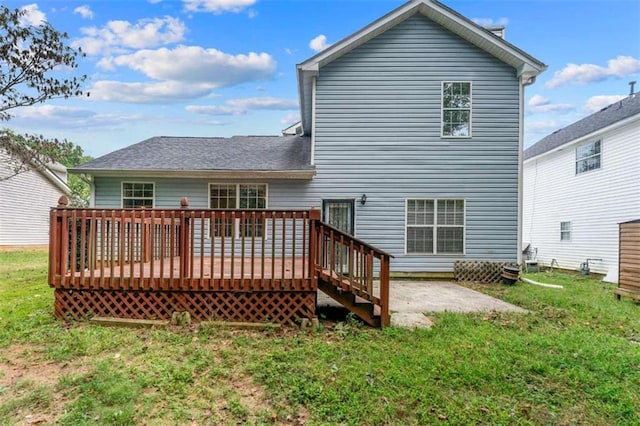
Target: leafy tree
{"x": 29, "y": 58}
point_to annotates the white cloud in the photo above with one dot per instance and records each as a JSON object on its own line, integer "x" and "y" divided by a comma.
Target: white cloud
{"x": 54, "y": 112}
{"x": 33, "y": 15}
{"x": 596, "y": 103}
{"x": 118, "y": 35}
{"x": 319, "y": 43}
{"x": 263, "y": 103}
{"x": 154, "y": 1}
{"x": 244, "y": 105}
{"x": 540, "y": 104}
{"x": 289, "y": 119}
{"x": 490, "y": 22}
{"x": 147, "y": 93}
{"x": 621, "y": 66}
{"x": 84, "y": 11}
{"x": 64, "y": 117}
{"x": 212, "y": 110}
{"x": 217, "y": 6}
{"x": 252, "y": 13}
{"x": 195, "y": 64}
{"x": 542, "y": 126}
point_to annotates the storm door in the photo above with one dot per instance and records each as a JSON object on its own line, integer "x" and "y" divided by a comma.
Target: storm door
{"x": 339, "y": 214}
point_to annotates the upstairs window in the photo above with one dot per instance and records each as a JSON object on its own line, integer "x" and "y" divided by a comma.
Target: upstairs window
{"x": 238, "y": 196}
{"x": 588, "y": 157}
{"x": 456, "y": 109}
{"x": 137, "y": 195}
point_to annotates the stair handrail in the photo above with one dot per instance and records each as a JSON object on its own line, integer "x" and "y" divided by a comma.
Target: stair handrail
{"x": 353, "y": 243}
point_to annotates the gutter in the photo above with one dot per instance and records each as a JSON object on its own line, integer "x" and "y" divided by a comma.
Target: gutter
{"x": 213, "y": 174}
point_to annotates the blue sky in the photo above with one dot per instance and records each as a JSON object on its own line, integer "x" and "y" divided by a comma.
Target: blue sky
{"x": 227, "y": 67}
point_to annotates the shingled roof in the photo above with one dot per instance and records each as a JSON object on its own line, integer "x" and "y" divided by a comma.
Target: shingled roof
{"x": 183, "y": 155}
{"x": 615, "y": 112}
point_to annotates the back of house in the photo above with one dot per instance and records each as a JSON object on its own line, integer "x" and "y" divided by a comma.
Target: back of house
{"x": 410, "y": 139}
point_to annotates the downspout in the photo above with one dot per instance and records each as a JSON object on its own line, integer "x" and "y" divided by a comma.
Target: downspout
{"x": 525, "y": 80}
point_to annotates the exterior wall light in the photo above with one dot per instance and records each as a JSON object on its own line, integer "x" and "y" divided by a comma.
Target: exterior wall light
{"x": 363, "y": 199}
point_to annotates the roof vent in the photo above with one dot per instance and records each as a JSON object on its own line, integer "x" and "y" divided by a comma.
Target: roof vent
{"x": 497, "y": 30}
{"x": 631, "y": 88}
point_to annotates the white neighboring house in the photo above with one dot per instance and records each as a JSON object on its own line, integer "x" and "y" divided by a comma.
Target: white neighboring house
{"x": 25, "y": 200}
{"x": 579, "y": 184}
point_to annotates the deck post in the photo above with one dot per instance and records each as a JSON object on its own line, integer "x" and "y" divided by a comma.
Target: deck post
{"x": 55, "y": 241}
{"x": 385, "y": 319}
{"x": 314, "y": 218}
{"x": 63, "y": 227}
{"x": 184, "y": 239}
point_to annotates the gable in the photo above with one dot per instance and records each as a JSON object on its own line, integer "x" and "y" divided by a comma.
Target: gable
{"x": 527, "y": 67}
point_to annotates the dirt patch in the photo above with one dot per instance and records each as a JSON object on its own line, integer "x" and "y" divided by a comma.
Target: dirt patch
{"x": 24, "y": 371}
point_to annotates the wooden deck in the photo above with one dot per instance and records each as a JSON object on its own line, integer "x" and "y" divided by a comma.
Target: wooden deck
{"x": 241, "y": 265}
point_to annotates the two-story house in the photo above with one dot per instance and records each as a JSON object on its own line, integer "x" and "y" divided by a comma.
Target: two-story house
{"x": 410, "y": 138}
{"x": 580, "y": 182}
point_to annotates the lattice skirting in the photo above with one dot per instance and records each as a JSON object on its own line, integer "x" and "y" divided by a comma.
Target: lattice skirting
{"x": 277, "y": 307}
{"x": 484, "y": 272}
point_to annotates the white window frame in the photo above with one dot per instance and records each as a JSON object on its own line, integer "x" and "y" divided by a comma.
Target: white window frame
{"x": 578, "y": 160}
{"x": 237, "y": 235}
{"x": 435, "y": 227}
{"x": 565, "y": 234}
{"x": 442, "y": 110}
{"x": 122, "y": 197}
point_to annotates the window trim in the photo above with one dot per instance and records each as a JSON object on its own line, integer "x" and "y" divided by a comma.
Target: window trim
{"x": 435, "y": 226}
{"x": 122, "y": 197}
{"x": 237, "y": 235}
{"x": 565, "y": 231}
{"x": 442, "y": 135}
{"x": 577, "y": 160}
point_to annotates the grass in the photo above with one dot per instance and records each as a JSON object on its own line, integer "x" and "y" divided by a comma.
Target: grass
{"x": 574, "y": 358}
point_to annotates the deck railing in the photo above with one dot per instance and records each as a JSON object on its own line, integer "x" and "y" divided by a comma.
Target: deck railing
{"x": 352, "y": 266}
{"x": 179, "y": 249}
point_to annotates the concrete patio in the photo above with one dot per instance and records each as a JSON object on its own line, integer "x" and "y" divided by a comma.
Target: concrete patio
{"x": 411, "y": 300}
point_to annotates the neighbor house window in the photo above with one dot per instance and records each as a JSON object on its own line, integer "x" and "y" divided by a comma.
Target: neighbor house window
{"x": 238, "y": 196}
{"x": 137, "y": 194}
{"x": 565, "y": 231}
{"x": 588, "y": 157}
{"x": 456, "y": 109}
{"x": 435, "y": 226}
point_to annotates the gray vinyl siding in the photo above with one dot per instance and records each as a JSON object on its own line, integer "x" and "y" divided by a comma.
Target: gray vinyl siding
{"x": 378, "y": 133}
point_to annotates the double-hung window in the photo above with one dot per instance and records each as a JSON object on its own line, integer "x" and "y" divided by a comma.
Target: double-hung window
{"x": 137, "y": 195}
{"x": 588, "y": 157}
{"x": 565, "y": 231}
{"x": 456, "y": 109}
{"x": 435, "y": 226}
{"x": 238, "y": 196}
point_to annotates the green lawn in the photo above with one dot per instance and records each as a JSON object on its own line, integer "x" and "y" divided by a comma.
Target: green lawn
{"x": 574, "y": 359}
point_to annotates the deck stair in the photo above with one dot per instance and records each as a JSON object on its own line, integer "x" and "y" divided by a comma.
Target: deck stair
{"x": 353, "y": 273}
